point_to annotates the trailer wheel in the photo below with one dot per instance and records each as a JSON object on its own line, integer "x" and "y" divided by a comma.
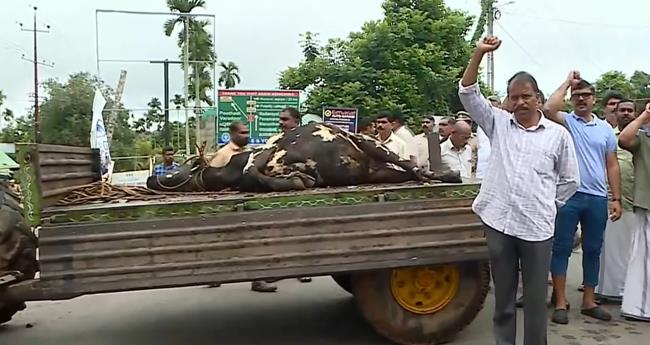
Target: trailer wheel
{"x": 423, "y": 304}
{"x": 344, "y": 281}
{"x": 17, "y": 249}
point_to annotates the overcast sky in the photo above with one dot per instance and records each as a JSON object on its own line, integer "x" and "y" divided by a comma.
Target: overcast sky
{"x": 546, "y": 38}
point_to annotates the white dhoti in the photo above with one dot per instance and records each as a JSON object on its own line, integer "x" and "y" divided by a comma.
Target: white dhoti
{"x": 615, "y": 255}
{"x": 636, "y": 299}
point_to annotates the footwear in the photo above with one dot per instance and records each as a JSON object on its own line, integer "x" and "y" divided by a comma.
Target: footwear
{"x": 560, "y": 316}
{"x": 597, "y": 313}
{"x": 304, "y": 279}
{"x": 215, "y": 285}
{"x": 581, "y": 288}
{"x": 262, "y": 286}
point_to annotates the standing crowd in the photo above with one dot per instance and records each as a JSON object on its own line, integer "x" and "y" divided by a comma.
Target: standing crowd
{"x": 562, "y": 170}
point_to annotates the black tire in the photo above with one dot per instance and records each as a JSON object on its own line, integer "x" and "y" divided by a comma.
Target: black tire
{"x": 17, "y": 247}
{"x": 344, "y": 281}
{"x": 381, "y": 309}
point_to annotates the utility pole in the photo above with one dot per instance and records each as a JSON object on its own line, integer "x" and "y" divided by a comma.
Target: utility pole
{"x": 35, "y": 30}
{"x": 197, "y": 104}
{"x": 490, "y": 56}
{"x": 166, "y": 131}
{"x": 185, "y": 88}
{"x": 166, "y": 63}
{"x": 493, "y": 14}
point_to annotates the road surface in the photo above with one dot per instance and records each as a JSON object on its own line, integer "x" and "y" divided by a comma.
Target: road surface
{"x": 314, "y": 313}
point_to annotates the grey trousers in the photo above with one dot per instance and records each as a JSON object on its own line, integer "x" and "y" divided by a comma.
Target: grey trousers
{"x": 506, "y": 254}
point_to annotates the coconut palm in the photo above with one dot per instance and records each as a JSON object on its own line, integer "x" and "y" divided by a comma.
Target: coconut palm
{"x": 229, "y": 76}
{"x": 200, "y": 45}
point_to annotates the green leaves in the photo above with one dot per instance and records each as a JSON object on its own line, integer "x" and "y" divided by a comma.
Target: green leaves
{"x": 229, "y": 76}
{"x": 637, "y": 87}
{"x": 200, "y": 47}
{"x": 410, "y": 60}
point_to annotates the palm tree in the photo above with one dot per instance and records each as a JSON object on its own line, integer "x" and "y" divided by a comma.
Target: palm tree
{"x": 181, "y": 6}
{"x": 200, "y": 45}
{"x": 229, "y": 76}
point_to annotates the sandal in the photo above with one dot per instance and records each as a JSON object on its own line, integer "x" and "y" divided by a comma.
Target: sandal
{"x": 560, "y": 316}
{"x": 597, "y": 313}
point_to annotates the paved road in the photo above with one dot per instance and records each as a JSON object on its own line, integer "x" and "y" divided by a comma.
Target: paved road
{"x": 315, "y": 313}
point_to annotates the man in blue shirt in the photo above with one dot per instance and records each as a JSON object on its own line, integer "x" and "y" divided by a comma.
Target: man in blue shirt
{"x": 168, "y": 163}
{"x": 595, "y": 145}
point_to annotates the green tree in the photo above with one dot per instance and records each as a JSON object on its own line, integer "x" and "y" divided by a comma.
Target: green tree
{"x": 486, "y": 5}
{"x": 613, "y": 81}
{"x": 229, "y": 76}
{"x": 66, "y": 113}
{"x": 200, "y": 46}
{"x": 21, "y": 130}
{"x": 310, "y": 46}
{"x": 7, "y": 114}
{"x": 409, "y": 61}
{"x": 641, "y": 87}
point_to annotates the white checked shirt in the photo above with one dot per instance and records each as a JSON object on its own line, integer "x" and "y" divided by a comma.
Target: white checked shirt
{"x": 532, "y": 171}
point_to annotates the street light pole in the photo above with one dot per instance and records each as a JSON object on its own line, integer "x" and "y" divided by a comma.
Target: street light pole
{"x": 185, "y": 82}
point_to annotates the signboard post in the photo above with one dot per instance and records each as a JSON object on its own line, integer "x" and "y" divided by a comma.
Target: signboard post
{"x": 259, "y": 109}
{"x": 344, "y": 118}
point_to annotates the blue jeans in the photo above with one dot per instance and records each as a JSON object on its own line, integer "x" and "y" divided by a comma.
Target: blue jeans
{"x": 591, "y": 212}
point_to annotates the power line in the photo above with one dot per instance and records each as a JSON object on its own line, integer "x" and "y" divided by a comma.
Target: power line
{"x": 532, "y": 58}
{"x": 582, "y": 23}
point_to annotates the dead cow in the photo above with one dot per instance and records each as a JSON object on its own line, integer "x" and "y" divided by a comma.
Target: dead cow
{"x": 314, "y": 155}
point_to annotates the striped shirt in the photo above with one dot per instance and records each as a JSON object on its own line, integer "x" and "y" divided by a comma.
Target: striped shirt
{"x": 532, "y": 171}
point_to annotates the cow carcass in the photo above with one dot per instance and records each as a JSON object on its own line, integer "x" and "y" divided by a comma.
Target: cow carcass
{"x": 314, "y": 155}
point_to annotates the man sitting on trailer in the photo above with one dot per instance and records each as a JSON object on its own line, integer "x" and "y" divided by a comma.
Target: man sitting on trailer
{"x": 168, "y": 164}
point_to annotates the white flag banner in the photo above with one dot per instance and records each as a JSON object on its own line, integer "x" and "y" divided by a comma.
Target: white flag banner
{"x": 98, "y": 135}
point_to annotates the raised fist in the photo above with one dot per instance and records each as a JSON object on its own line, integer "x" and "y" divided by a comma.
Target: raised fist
{"x": 488, "y": 44}
{"x": 574, "y": 78}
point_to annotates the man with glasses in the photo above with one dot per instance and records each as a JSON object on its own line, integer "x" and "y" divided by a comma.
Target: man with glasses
{"x": 595, "y": 145}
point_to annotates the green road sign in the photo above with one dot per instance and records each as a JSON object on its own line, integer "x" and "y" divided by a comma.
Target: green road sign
{"x": 259, "y": 109}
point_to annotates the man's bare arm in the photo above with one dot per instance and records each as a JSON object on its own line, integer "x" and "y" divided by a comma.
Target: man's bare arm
{"x": 614, "y": 178}
{"x": 627, "y": 139}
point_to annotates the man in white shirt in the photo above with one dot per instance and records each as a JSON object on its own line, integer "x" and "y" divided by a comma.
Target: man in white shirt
{"x": 422, "y": 143}
{"x": 404, "y": 133}
{"x": 533, "y": 171}
{"x": 456, "y": 153}
{"x": 388, "y": 138}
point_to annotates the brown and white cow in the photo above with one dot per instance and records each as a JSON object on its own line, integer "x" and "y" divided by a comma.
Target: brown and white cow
{"x": 314, "y": 155}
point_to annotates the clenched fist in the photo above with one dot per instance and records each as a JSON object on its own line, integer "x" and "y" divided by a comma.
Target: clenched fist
{"x": 488, "y": 44}
{"x": 574, "y": 78}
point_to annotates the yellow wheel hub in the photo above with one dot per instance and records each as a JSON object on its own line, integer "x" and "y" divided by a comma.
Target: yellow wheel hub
{"x": 424, "y": 289}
